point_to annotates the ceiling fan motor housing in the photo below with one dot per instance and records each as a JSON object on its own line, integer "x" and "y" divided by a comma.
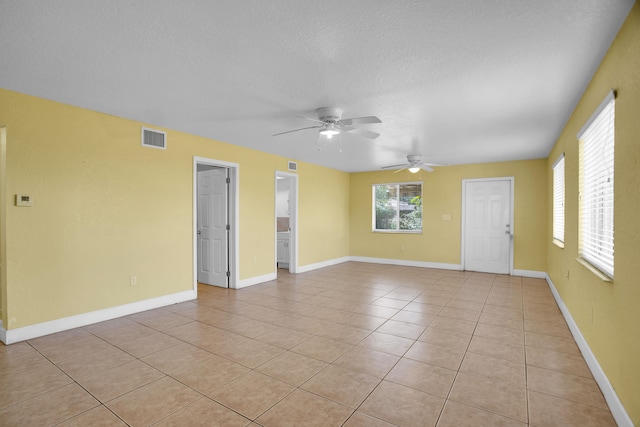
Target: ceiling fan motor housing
{"x": 329, "y": 114}
{"x": 414, "y": 158}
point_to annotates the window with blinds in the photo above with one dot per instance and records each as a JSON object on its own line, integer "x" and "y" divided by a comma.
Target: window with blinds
{"x": 558, "y": 200}
{"x": 596, "y": 147}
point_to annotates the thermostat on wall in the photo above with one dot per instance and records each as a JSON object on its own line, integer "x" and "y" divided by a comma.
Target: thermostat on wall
{"x": 23, "y": 200}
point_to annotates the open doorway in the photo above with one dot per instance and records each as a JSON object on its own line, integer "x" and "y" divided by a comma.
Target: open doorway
{"x": 215, "y": 219}
{"x": 286, "y": 222}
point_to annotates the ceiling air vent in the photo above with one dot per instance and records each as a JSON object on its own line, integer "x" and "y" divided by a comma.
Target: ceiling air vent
{"x": 154, "y": 139}
{"x": 293, "y": 166}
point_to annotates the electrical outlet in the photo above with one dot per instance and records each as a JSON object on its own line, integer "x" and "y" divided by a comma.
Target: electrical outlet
{"x": 133, "y": 280}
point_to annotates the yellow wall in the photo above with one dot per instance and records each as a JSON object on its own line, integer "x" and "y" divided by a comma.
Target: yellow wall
{"x": 608, "y": 314}
{"x": 323, "y": 214}
{"x": 105, "y": 208}
{"x": 442, "y": 194}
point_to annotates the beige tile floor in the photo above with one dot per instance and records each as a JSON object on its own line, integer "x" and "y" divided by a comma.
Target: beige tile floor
{"x": 354, "y": 344}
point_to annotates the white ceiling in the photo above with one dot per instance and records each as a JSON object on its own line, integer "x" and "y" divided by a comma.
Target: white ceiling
{"x": 458, "y": 81}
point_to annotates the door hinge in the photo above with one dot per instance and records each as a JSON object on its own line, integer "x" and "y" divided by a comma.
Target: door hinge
{"x": 228, "y": 274}
{"x": 228, "y": 180}
{"x": 228, "y": 227}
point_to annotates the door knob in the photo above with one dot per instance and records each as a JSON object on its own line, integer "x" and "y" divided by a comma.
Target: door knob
{"x": 199, "y": 232}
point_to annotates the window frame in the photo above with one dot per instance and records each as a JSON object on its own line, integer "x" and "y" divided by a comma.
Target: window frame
{"x": 397, "y": 218}
{"x": 558, "y": 201}
{"x": 596, "y": 148}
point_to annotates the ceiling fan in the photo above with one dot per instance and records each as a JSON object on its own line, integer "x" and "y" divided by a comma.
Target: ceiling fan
{"x": 414, "y": 165}
{"x": 331, "y": 123}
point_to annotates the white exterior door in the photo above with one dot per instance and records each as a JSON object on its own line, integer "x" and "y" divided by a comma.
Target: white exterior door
{"x": 487, "y": 225}
{"x": 212, "y": 227}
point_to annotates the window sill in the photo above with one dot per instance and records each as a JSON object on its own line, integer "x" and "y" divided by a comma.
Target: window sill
{"x": 397, "y": 231}
{"x": 558, "y": 243}
{"x": 594, "y": 270}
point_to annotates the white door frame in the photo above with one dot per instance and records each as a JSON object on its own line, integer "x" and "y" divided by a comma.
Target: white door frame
{"x": 464, "y": 213}
{"x": 293, "y": 221}
{"x": 234, "y": 215}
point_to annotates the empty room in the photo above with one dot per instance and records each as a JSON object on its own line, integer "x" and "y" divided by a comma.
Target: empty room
{"x": 291, "y": 213}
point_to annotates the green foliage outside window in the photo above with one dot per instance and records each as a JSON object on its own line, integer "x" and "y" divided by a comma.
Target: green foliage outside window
{"x": 413, "y": 219}
{"x": 398, "y": 207}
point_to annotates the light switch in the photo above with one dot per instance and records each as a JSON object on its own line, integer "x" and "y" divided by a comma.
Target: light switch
{"x": 446, "y": 217}
{"x": 23, "y": 200}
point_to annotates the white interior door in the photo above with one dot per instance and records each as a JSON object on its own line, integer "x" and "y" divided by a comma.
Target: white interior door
{"x": 213, "y": 234}
{"x": 487, "y": 225}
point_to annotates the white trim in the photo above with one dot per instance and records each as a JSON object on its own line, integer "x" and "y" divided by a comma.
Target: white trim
{"x": 530, "y": 273}
{"x": 256, "y": 280}
{"x": 234, "y": 201}
{"x": 293, "y": 221}
{"x": 322, "y": 264}
{"x": 38, "y": 330}
{"x": 610, "y": 395}
{"x": 295, "y": 226}
{"x": 408, "y": 263}
{"x": 3, "y": 230}
{"x": 511, "y": 180}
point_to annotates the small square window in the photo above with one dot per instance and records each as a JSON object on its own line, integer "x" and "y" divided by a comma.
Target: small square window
{"x": 397, "y": 207}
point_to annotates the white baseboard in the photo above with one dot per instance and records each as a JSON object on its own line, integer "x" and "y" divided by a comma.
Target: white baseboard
{"x": 408, "y": 263}
{"x": 317, "y": 265}
{"x": 256, "y": 280}
{"x": 38, "y": 330}
{"x": 530, "y": 273}
{"x": 610, "y": 395}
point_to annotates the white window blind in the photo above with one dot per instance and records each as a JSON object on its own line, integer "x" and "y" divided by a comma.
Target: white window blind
{"x": 558, "y": 199}
{"x": 596, "y": 146}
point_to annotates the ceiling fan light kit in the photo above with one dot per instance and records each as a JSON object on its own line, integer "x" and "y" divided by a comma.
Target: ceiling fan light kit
{"x": 330, "y": 131}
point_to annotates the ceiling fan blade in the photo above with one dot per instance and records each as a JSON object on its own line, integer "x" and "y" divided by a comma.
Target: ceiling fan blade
{"x": 360, "y": 120}
{"x": 435, "y": 164}
{"x": 361, "y": 132}
{"x": 400, "y": 170}
{"x": 296, "y": 130}
{"x": 394, "y": 166}
{"x": 427, "y": 168}
{"x": 308, "y": 118}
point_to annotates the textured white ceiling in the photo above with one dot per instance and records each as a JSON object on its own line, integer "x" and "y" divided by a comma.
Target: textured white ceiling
{"x": 463, "y": 81}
